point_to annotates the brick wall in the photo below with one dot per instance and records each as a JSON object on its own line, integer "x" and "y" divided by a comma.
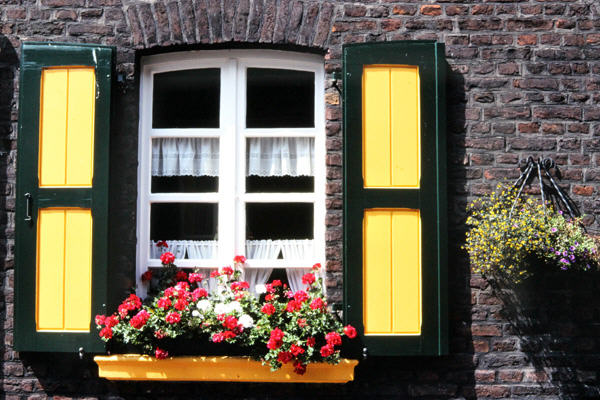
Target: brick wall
{"x": 524, "y": 80}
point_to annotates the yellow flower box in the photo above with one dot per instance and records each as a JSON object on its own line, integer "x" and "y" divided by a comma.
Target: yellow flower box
{"x": 135, "y": 367}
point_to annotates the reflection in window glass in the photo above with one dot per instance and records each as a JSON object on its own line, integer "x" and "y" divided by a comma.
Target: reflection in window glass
{"x": 186, "y": 99}
{"x": 279, "y": 98}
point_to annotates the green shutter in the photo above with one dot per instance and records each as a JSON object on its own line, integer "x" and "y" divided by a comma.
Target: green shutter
{"x": 395, "y": 233}
{"x": 62, "y": 196}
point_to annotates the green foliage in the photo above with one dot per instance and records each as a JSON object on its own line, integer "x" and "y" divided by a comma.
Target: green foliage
{"x": 509, "y": 235}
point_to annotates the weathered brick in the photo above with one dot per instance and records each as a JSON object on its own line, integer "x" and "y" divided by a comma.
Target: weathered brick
{"x": 431, "y": 9}
{"x": 404, "y": 10}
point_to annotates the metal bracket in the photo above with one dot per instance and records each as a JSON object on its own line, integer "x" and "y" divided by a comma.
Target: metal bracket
{"x": 336, "y": 76}
{"x": 549, "y": 189}
{"x": 81, "y": 352}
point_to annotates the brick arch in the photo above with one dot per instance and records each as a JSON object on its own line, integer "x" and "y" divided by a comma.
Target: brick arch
{"x": 176, "y": 22}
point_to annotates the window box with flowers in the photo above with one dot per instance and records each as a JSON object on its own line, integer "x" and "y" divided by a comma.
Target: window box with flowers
{"x": 292, "y": 332}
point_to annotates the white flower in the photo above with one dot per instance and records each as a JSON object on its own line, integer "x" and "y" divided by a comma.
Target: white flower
{"x": 203, "y": 305}
{"x": 260, "y": 289}
{"x": 234, "y": 306}
{"x": 246, "y": 321}
{"x": 221, "y": 308}
{"x": 197, "y": 314}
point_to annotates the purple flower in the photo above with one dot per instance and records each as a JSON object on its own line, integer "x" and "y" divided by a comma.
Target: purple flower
{"x": 565, "y": 261}
{"x": 572, "y": 248}
{"x": 557, "y": 253}
{"x": 553, "y": 229}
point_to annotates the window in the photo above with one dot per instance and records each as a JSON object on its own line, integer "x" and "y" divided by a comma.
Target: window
{"x": 232, "y": 161}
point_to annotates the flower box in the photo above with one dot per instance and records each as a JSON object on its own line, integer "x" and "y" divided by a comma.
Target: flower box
{"x": 135, "y": 367}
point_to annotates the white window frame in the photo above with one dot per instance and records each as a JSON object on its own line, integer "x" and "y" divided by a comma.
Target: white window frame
{"x": 231, "y": 196}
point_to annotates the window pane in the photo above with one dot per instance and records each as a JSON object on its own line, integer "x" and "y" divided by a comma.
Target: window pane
{"x": 184, "y": 184}
{"x": 185, "y": 165}
{"x": 279, "y": 98}
{"x": 280, "y": 184}
{"x": 279, "y": 221}
{"x": 278, "y": 156}
{"x": 183, "y": 221}
{"x": 187, "y": 99}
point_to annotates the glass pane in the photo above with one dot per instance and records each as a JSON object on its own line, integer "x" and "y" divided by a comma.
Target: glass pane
{"x": 187, "y": 99}
{"x": 279, "y": 98}
{"x": 184, "y": 184}
{"x": 185, "y": 165}
{"x": 279, "y": 156}
{"x": 280, "y": 184}
{"x": 183, "y": 221}
{"x": 279, "y": 221}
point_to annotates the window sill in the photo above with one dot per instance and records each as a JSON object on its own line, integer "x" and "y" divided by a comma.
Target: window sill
{"x": 134, "y": 367}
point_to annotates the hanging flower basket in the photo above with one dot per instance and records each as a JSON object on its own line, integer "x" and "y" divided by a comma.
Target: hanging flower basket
{"x": 135, "y": 367}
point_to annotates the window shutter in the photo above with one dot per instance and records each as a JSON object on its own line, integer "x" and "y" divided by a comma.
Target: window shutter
{"x": 395, "y": 231}
{"x": 62, "y": 196}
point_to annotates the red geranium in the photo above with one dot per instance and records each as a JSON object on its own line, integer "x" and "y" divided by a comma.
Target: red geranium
{"x": 301, "y": 322}
{"x": 227, "y": 270}
{"x": 218, "y": 337}
{"x": 100, "y": 319}
{"x": 139, "y": 319}
{"x": 160, "y": 334}
{"x": 214, "y": 274}
{"x": 195, "y": 277}
{"x": 147, "y": 276}
{"x": 308, "y": 279}
{"x": 230, "y": 322}
{"x": 164, "y": 303}
{"x": 350, "y": 331}
{"x": 167, "y": 258}
{"x": 268, "y": 309}
{"x": 333, "y": 338}
{"x": 162, "y": 243}
{"x": 300, "y": 296}
{"x": 327, "y": 350}
{"x": 284, "y": 357}
{"x": 173, "y": 317}
{"x": 293, "y": 306}
{"x": 181, "y": 276}
{"x": 106, "y": 333}
{"x": 239, "y": 259}
{"x": 299, "y": 368}
{"x": 199, "y": 293}
{"x": 310, "y": 342}
{"x": 317, "y": 304}
{"x": 111, "y": 321}
{"x": 241, "y": 285}
{"x": 181, "y": 304}
{"x": 316, "y": 267}
{"x": 296, "y": 350}
{"x": 161, "y": 354}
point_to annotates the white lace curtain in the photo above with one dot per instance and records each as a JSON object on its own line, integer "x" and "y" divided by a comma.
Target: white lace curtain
{"x": 185, "y": 156}
{"x": 196, "y": 249}
{"x": 280, "y": 156}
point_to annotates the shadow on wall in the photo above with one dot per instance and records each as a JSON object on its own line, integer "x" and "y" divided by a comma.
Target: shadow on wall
{"x": 8, "y": 69}
{"x": 554, "y": 319}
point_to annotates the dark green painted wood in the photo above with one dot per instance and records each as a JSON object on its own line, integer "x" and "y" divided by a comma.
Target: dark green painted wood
{"x": 430, "y": 198}
{"x": 34, "y": 57}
